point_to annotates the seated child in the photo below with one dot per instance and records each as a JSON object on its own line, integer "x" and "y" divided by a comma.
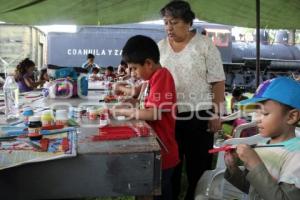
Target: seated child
{"x": 24, "y": 76}
{"x": 94, "y": 76}
{"x": 90, "y": 63}
{"x": 141, "y": 54}
{"x": 271, "y": 172}
{"x": 122, "y": 69}
{"x": 237, "y": 95}
{"x": 109, "y": 73}
{"x": 129, "y": 87}
{"x": 44, "y": 75}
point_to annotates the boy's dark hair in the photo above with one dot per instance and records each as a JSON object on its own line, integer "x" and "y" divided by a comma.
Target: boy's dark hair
{"x": 110, "y": 68}
{"x": 95, "y": 69}
{"x": 123, "y": 63}
{"x": 90, "y": 56}
{"x": 236, "y": 92}
{"x": 179, "y": 10}
{"x": 139, "y": 48}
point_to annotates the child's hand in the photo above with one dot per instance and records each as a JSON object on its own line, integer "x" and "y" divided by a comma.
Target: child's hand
{"x": 111, "y": 111}
{"x": 117, "y": 88}
{"x": 248, "y": 156}
{"x": 230, "y": 159}
{"x": 92, "y": 78}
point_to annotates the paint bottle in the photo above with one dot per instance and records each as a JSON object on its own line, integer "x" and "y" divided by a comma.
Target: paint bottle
{"x": 92, "y": 113}
{"x": 75, "y": 112}
{"x": 103, "y": 120}
{"x": 47, "y": 118}
{"x": 27, "y": 112}
{"x": 34, "y": 128}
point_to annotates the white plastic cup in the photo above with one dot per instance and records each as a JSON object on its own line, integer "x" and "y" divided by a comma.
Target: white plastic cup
{"x": 61, "y": 117}
{"x": 92, "y": 113}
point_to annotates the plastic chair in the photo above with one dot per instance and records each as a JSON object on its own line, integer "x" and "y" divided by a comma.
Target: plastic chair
{"x": 212, "y": 184}
{"x": 231, "y": 117}
{"x": 243, "y": 130}
{"x": 250, "y": 127}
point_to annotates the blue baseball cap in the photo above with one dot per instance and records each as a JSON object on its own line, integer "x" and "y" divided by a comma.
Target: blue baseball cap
{"x": 282, "y": 89}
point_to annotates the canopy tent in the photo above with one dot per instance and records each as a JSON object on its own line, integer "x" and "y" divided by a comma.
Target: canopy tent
{"x": 283, "y": 14}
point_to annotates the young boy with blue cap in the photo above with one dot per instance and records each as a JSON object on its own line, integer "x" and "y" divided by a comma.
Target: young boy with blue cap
{"x": 274, "y": 172}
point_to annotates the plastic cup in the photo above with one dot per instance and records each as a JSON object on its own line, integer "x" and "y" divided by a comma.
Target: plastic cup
{"x": 61, "y": 117}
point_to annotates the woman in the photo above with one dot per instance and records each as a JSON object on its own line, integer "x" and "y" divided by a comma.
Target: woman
{"x": 197, "y": 69}
{"x": 24, "y": 76}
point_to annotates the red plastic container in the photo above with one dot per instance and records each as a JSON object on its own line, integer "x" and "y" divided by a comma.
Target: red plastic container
{"x": 114, "y": 133}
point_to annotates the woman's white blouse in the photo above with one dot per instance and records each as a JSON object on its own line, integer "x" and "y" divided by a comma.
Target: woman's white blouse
{"x": 194, "y": 69}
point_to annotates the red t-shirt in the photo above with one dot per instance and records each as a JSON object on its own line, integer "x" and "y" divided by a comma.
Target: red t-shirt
{"x": 162, "y": 94}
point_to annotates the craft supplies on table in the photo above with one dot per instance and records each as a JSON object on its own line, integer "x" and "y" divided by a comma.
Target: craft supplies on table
{"x": 27, "y": 112}
{"x": 121, "y": 132}
{"x": 61, "y": 117}
{"x": 22, "y": 150}
{"x": 35, "y": 127}
{"x": 47, "y": 118}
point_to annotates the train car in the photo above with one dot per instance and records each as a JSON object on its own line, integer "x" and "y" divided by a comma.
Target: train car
{"x": 277, "y": 59}
{"x": 106, "y": 42}
{"x": 18, "y": 42}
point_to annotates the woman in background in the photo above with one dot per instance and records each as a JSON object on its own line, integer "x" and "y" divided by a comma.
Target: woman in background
{"x": 24, "y": 76}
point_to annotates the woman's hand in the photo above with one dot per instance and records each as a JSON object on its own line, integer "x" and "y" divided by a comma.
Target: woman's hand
{"x": 248, "y": 156}
{"x": 214, "y": 125}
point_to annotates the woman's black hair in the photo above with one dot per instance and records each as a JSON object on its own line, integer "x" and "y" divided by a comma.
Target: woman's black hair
{"x": 22, "y": 68}
{"x": 180, "y": 10}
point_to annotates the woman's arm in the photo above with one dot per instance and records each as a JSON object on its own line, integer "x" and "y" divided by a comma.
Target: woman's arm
{"x": 218, "y": 92}
{"x": 31, "y": 84}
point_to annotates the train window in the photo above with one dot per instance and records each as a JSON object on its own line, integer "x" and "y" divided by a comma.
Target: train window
{"x": 211, "y": 35}
{"x": 220, "y": 37}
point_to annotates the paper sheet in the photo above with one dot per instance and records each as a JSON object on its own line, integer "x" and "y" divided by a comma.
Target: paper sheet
{"x": 11, "y": 158}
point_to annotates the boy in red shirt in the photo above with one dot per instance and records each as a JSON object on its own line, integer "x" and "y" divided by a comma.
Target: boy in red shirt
{"x": 158, "y": 104}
